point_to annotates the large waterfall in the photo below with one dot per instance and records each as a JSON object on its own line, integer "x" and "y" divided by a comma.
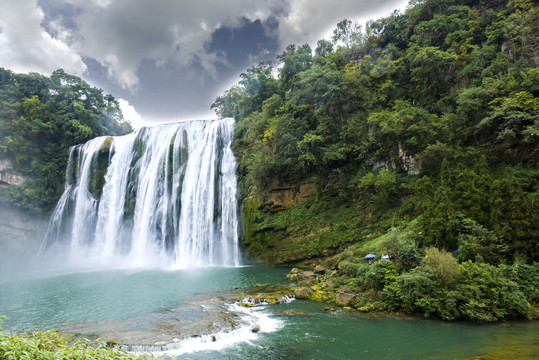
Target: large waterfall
{"x": 164, "y": 195}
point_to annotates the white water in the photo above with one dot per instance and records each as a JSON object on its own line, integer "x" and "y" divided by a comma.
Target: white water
{"x": 164, "y": 196}
{"x": 255, "y": 323}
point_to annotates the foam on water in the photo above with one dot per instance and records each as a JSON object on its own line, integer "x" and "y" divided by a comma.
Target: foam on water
{"x": 255, "y": 322}
{"x": 164, "y": 196}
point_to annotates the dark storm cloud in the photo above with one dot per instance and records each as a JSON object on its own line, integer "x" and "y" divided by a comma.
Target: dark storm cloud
{"x": 168, "y": 57}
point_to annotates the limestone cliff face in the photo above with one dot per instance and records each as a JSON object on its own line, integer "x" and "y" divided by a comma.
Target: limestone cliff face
{"x": 284, "y": 196}
{"x": 8, "y": 176}
{"x": 267, "y": 243}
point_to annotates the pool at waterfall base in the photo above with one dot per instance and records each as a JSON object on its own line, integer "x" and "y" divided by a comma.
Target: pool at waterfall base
{"x": 184, "y": 314}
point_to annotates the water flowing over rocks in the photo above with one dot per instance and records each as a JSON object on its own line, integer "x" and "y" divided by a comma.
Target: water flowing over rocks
{"x": 163, "y": 196}
{"x": 205, "y": 319}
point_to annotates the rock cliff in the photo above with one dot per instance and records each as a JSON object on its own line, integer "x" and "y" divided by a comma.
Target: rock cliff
{"x": 8, "y": 176}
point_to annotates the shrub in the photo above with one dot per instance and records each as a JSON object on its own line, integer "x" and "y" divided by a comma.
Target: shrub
{"x": 377, "y": 275}
{"x": 408, "y": 256}
{"x": 527, "y": 278}
{"x": 442, "y": 265}
{"x": 414, "y": 292}
{"x": 50, "y": 344}
{"x": 489, "y": 295}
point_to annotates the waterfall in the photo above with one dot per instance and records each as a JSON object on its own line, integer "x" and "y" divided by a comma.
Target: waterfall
{"x": 162, "y": 196}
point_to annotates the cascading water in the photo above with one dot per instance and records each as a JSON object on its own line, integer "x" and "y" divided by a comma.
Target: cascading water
{"x": 164, "y": 195}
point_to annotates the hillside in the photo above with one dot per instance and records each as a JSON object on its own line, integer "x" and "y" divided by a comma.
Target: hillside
{"x": 40, "y": 118}
{"x": 419, "y": 134}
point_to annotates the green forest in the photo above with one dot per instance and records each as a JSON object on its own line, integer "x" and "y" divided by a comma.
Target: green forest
{"x": 40, "y": 119}
{"x": 417, "y": 138}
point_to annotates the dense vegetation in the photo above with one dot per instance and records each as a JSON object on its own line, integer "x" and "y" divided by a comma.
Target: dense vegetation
{"x": 51, "y": 344}
{"x": 421, "y": 136}
{"x": 40, "y": 118}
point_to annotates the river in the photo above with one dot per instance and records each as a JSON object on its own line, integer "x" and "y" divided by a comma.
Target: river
{"x": 171, "y": 308}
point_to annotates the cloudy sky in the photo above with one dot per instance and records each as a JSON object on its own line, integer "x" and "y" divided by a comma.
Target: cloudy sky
{"x": 166, "y": 59}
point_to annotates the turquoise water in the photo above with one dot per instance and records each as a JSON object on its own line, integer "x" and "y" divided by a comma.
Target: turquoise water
{"x": 49, "y": 301}
{"x": 54, "y": 300}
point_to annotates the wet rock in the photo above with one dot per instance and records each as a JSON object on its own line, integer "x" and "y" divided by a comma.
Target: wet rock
{"x": 290, "y": 313}
{"x": 151, "y": 330}
{"x": 255, "y": 329}
{"x": 292, "y": 277}
{"x": 303, "y": 292}
{"x": 260, "y": 294}
{"x": 293, "y": 274}
{"x": 344, "y": 296}
{"x": 306, "y": 277}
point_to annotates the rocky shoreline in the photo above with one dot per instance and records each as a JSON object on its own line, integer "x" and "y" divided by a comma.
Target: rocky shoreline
{"x": 203, "y": 318}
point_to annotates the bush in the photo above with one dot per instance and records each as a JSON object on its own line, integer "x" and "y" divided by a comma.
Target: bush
{"x": 45, "y": 345}
{"x": 408, "y": 256}
{"x": 527, "y": 278}
{"x": 414, "y": 292}
{"x": 442, "y": 265}
{"x": 489, "y": 295}
{"x": 377, "y": 275}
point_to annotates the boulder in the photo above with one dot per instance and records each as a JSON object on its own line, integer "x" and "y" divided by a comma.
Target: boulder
{"x": 344, "y": 296}
{"x": 293, "y": 274}
{"x": 303, "y": 292}
{"x": 320, "y": 269}
{"x": 306, "y": 277}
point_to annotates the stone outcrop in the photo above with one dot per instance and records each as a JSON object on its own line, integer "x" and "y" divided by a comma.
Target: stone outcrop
{"x": 406, "y": 161}
{"x": 269, "y": 244}
{"x": 344, "y": 296}
{"x": 409, "y": 163}
{"x": 303, "y": 292}
{"x": 8, "y": 176}
{"x": 285, "y": 196}
{"x": 306, "y": 277}
{"x": 320, "y": 269}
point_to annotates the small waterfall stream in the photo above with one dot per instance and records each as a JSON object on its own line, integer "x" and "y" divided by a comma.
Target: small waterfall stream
{"x": 162, "y": 196}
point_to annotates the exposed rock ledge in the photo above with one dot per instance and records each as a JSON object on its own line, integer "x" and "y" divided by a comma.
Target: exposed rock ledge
{"x": 285, "y": 196}
{"x": 8, "y": 176}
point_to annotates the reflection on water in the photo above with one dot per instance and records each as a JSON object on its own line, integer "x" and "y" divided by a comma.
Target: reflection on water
{"x": 513, "y": 341}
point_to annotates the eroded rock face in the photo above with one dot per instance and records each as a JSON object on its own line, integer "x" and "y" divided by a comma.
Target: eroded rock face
{"x": 306, "y": 277}
{"x": 303, "y": 292}
{"x": 285, "y": 196}
{"x": 344, "y": 296}
{"x": 8, "y": 176}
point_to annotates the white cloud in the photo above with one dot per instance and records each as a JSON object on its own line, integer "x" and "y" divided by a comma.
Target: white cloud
{"x": 173, "y": 35}
{"x": 131, "y": 115}
{"x": 120, "y": 34}
{"x": 311, "y": 20}
{"x": 25, "y": 46}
